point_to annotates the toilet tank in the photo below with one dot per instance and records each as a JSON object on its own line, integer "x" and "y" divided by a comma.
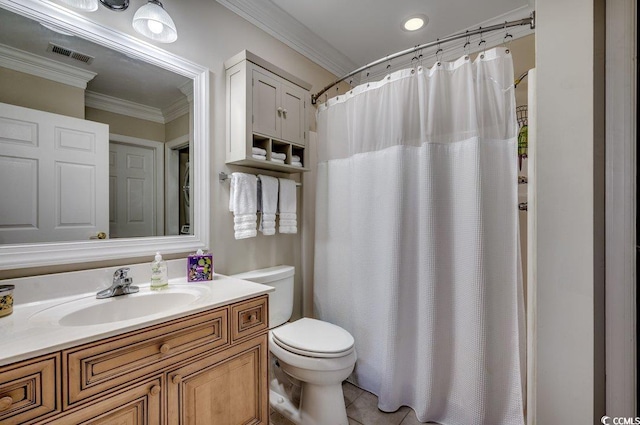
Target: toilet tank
{"x": 280, "y": 300}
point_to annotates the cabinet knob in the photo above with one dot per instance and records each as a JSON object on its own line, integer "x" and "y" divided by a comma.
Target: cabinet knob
{"x": 176, "y": 379}
{"x": 284, "y": 113}
{"x": 279, "y": 111}
{"x": 5, "y": 403}
{"x": 164, "y": 348}
{"x": 155, "y": 390}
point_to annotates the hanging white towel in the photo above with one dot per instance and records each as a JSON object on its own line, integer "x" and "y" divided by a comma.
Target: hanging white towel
{"x": 287, "y": 206}
{"x": 267, "y": 204}
{"x": 278, "y": 155}
{"x": 258, "y": 151}
{"x": 243, "y": 203}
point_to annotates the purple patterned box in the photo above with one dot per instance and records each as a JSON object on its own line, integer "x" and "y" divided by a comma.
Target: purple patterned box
{"x": 199, "y": 267}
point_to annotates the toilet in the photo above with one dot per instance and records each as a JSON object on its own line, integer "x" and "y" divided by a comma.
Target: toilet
{"x": 317, "y": 354}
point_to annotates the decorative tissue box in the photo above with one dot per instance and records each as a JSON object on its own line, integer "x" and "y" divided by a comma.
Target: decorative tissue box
{"x": 199, "y": 267}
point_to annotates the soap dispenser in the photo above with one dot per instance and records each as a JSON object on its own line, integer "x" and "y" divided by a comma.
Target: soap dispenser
{"x": 159, "y": 278}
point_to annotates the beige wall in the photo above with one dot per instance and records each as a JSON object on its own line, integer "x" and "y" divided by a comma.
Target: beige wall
{"x": 126, "y": 125}
{"x": 18, "y": 88}
{"x": 176, "y": 128}
{"x": 570, "y": 204}
{"x": 208, "y": 35}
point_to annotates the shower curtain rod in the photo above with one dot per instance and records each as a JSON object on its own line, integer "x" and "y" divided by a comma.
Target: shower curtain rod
{"x": 520, "y": 22}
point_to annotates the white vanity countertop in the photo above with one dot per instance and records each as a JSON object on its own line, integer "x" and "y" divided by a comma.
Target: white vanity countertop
{"x": 24, "y": 335}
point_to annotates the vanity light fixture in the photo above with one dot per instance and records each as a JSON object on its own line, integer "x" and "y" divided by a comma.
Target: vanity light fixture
{"x": 415, "y": 22}
{"x": 152, "y": 21}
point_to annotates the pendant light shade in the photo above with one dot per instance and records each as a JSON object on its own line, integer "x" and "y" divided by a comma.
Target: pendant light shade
{"x": 84, "y": 5}
{"x": 152, "y": 21}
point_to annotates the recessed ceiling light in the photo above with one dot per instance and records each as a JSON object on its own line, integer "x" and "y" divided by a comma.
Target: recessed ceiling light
{"x": 415, "y": 22}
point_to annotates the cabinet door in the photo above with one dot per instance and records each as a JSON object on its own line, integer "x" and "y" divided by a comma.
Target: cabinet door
{"x": 139, "y": 405}
{"x": 228, "y": 388}
{"x": 267, "y": 111}
{"x": 293, "y": 114}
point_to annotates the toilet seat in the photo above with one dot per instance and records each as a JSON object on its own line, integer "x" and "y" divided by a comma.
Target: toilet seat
{"x": 314, "y": 338}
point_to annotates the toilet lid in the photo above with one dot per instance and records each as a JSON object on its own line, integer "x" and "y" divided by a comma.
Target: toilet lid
{"x": 313, "y": 338}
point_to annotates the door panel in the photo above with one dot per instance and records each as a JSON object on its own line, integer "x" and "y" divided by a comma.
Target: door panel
{"x": 51, "y": 163}
{"x": 293, "y": 99}
{"x": 228, "y": 388}
{"x": 266, "y": 119}
{"x": 133, "y": 171}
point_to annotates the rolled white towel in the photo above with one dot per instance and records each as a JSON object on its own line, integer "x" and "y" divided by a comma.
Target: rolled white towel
{"x": 258, "y": 151}
{"x": 296, "y": 164}
{"x": 278, "y": 155}
{"x": 260, "y": 157}
{"x": 277, "y": 161}
{"x": 295, "y": 158}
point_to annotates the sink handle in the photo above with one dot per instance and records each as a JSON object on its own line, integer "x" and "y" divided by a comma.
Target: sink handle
{"x": 121, "y": 274}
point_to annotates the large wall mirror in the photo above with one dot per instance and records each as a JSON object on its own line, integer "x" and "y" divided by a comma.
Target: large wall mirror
{"x": 103, "y": 142}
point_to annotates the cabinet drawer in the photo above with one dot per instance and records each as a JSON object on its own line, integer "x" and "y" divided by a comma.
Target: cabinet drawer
{"x": 249, "y": 318}
{"x": 92, "y": 369}
{"x": 30, "y": 390}
{"x": 141, "y": 404}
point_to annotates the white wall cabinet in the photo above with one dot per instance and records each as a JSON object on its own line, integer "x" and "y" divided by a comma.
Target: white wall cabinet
{"x": 266, "y": 108}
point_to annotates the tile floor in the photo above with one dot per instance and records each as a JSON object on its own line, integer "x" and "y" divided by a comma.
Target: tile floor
{"x": 362, "y": 409}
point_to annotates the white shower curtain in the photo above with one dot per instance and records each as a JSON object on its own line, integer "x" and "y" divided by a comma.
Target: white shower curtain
{"x": 417, "y": 239}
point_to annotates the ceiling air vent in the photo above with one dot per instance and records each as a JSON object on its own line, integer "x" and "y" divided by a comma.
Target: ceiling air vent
{"x": 82, "y": 57}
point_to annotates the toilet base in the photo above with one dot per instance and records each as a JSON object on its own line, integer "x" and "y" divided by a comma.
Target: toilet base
{"x": 319, "y": 405}
{"x": 322, "y": 405}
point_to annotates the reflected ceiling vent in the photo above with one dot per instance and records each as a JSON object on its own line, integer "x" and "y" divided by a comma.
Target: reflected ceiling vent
{"x": 82, "y": 57}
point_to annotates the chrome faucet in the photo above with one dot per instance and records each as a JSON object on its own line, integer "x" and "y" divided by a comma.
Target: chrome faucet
{"x": 121, "y": 285}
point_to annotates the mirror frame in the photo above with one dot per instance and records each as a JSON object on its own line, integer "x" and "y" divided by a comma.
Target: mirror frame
{"x": 18, "y": 256}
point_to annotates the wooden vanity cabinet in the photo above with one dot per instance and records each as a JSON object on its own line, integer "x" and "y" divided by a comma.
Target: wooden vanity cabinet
{"x": 185, "y": 371}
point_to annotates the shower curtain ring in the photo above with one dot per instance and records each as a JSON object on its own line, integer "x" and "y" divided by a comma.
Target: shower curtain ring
{"x": 482, "y": 41}
{"x": 467, "y": 43}
{"x": 507, "y": 36}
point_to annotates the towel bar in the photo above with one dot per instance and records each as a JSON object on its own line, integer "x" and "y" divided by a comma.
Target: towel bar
{"x": 222, "y": 176}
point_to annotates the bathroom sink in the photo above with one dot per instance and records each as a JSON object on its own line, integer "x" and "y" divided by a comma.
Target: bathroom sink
{"x": 88, "y": 311}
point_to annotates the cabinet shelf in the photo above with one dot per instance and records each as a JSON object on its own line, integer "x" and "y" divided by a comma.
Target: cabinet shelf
{"x": 266, "y": 109}
{"x": 268, "y": 165}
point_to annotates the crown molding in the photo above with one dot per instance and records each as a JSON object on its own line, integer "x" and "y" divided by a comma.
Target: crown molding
{"x": 123, "y": 107}
{"x": 278, "y": 23}
{"x": 177, "y": 109}
{"x": 28, "y": 63}
{"x": 272, "y": 19}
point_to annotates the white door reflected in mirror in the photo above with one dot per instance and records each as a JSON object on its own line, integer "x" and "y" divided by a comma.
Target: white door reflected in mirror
{"x": 53, "y": 177}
